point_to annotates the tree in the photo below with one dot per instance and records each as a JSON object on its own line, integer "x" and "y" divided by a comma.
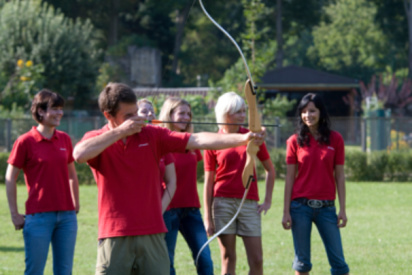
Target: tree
{"x": 349, "y": 42}
{"x": 294, "y": 20}
{"x": 391, "y": 17}
{"x": 65, "y": 48}
{"x": 279, "y": 34}
{"x": 408, "y": 11}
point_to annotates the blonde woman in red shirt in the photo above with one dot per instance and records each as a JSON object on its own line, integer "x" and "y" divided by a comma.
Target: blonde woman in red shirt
{"x": 183, "y": 214}
{"x": 224, "y": 191}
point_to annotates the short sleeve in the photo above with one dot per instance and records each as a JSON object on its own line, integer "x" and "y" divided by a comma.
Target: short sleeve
{"x": 291, "y": 150}
{"x": 339, "y": 145}
{"x": 18, "y": 154}
{"x": 263, "y": 153}
{"x": 93, "y": 162}
{"x": 210, "y": 161}
{"x": 70, "y": 158}
{"x": 169, "y": 158}
{"x": 199, "y": 156}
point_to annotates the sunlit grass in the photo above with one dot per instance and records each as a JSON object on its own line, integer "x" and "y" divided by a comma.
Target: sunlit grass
{"x": 376, "y": 239}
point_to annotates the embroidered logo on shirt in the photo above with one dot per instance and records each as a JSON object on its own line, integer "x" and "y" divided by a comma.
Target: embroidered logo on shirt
{"x": 330, "y": 147}
{"x": 143, "y": 144}
{"x": 62, "y": 149}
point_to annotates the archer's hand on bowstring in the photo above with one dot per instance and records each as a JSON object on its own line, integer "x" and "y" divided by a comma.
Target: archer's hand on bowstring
{"x": 132, "y": 125}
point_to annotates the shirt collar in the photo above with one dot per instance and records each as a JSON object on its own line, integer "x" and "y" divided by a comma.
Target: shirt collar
{"x": 38, "y": 137}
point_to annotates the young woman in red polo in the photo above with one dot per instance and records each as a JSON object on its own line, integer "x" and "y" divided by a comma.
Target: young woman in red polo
{"x": 183, "y": 213}
{"x": 45, "y": 156}
{"x": 224, "y": 190}
{"x": 315, "y": 158}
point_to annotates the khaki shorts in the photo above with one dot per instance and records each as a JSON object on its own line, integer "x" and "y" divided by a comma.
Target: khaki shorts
{"x": 146, "y": 254}
{"x": 247, "y": 223}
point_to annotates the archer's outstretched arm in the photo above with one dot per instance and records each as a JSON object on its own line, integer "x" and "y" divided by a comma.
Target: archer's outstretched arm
{"x": 215, "y": 141}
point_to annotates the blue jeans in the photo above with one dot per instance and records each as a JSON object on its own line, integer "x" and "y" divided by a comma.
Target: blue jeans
{"x": 325, "y": 220}
{"x": 190, "y": 224}
{"x": 59, "y": 228}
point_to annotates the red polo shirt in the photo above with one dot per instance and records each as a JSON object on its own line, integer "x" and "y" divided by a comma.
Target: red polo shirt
{"x": 128, "y": 181}
{"x": 228, "y": 165}
{"x": 316, "y": 166}
{"x": 186, "y": 180}
{"x": 44, "y": 162}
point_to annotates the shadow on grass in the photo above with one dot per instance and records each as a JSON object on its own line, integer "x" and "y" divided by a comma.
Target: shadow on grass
{"x": 11, "y": 249}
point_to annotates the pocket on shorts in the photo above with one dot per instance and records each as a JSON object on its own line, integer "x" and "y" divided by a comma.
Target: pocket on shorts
{"x": 100, "y": 243}
{"x": 217, "y": 201}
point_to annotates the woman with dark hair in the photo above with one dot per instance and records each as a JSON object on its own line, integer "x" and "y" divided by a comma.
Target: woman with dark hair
{"x": 315, "y": 171}
{"x": 45, "y": 155}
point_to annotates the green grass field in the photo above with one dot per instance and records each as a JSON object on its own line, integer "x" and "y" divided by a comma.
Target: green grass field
{"x": 377, "y": 239}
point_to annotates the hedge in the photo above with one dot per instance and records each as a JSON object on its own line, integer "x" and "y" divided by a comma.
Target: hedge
{"x": 84, "y": 173}
{"x": 359, "y": 166}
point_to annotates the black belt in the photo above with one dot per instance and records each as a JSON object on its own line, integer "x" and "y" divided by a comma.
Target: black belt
{"x": 315, "y": 203}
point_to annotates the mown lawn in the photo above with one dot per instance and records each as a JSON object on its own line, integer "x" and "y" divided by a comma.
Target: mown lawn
{"x": 377, "y": 239}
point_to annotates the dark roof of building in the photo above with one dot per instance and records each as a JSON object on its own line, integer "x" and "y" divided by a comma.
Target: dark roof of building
{"x": 295, "y": 78}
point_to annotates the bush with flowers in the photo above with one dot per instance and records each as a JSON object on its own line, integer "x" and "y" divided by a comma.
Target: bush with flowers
{"x": 23, "y": 84}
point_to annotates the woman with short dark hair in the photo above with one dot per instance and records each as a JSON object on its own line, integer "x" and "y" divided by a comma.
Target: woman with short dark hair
{"x": 315, "y": 158}
{"x": 45, "y": 156}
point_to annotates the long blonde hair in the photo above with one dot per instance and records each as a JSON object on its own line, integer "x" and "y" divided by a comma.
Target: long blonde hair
{"x": 167, "y": 110}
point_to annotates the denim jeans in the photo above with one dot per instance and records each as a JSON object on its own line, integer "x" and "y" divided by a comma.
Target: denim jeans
{"x": 325, "y": 220}
{"x": 190, "y": 224}
{"x": 59, "y": 228}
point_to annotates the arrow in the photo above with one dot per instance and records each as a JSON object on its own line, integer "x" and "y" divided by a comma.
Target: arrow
{"x": 156, "y": 122}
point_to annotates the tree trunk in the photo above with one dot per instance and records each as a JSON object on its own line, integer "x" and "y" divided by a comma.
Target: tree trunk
{"x": 114, "y": 21}
{"x": 279, "y": 34}
{"x": 180, "y": 26}
{"x": 408, "y": 11}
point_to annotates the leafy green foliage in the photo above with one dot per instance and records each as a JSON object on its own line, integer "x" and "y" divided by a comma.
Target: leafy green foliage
{"x": 33, "y": 31}
{"x": 108, "y": 73}
{"x": 399, "y": 166}
{"x": 378, "y": 166}
{"x": 350, "y": 42}
{"x": 277, "y": 107}
{"x": 23, "y": 84}
{"x": 14, "y": 111}
{"x": 120, "y": 49}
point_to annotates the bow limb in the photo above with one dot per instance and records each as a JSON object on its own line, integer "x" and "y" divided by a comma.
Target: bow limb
{"x": 231, "y": 39}
{"x": 254, "y": 126}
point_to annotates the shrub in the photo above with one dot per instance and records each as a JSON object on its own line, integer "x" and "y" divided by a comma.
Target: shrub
{"x": 398, "y": 168}
{"x": 355, "y": 165}
{"x": 377, "y": 162}
{"x": 32, "y": 30}
{"x": 84, "y": 174}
